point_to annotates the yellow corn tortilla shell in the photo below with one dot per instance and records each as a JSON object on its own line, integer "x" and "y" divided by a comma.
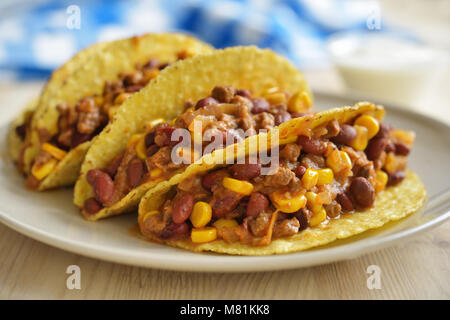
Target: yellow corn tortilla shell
{"x": 104, "y": 64}
{"x": 242, "y": 67}
{"x": 392, "y": 204}
{"x": 15, "y": 143}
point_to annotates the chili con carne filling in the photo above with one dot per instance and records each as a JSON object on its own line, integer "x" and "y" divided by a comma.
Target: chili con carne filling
{"x": 222, "y": 116}
{"x": 81, "y": 122}
{"x": 327, "y": 176}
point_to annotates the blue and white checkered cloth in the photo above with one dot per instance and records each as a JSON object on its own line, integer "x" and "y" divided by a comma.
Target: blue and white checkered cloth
{"x": 38, "y": 36}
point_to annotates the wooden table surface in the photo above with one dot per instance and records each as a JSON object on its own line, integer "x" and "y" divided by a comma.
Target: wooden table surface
{"x": 417, "y": 269}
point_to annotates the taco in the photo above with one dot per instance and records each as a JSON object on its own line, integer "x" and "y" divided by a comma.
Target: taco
{"x": 231, "y": 93}
{"x": 66, "y": 120}
{"x": 340, "y": 173}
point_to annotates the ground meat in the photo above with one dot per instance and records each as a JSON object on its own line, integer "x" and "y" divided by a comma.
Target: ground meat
{"x": 121, "y": 187}
{"x": 260, "y": 225}
{"x": 224, "y": 201}
{"x": 228, "y": 234}
{"x": 333, "y": 129}
{"x": 290, "y": 152}
{"x": 223, "y": 94}
{"x": 313, "y": 161}
{"x": 264, "y": 120}
{"x": 281, "y": 178}
{"x": 160, "y": 159}
{"x": 90, "y": 118}
{"x": 194, "y": 186}
{"x": 154, "y": 224}
{"x": 285, "y": 228}
{"x": 333, "y": 209}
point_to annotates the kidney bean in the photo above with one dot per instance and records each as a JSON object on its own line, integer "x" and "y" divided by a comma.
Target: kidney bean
{"x": 213, "y": 179}
{"x": 152, "y": 150}
{"x": 314, "y": 146}
{"x": 91, "y": 175}
{"x": 303, "y": 216}
{"x": 362, "y": 191}
{"x": 103, "y": 187}
{"x": 150, "y": 139}
{"x": 112, "y": 167}
{"x": 163, "y": 66}
{"x": 390, "y": 147}
{"x": 245, "y": 171}
{"x": 383, "y": 132}
{"x": 375, "y": 148}
{"x": 346, "y": 135}
{"x": 344, "y": 200}
{"x": 281, "y": 117}
{"x": 300, "y": 171}
{"x": 257, "y": 204}
{"x": 183, "y": 208}
{"x": 244, "y": 93}
{"x": 395, "y": 178}
{"x": 401, "y": 148}
{"x": 92, "y": 206}
{"x": 260, "y": 105}
{"x": 134, "y": 172}
{"x": 174, "y": 230}
{"x": 205, "y": 102}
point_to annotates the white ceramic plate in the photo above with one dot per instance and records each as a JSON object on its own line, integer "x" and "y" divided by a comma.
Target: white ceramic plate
{"x": 51, "y": 217}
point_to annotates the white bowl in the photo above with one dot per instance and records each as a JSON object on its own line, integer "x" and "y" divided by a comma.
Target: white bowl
{"x": 386, "y": 66}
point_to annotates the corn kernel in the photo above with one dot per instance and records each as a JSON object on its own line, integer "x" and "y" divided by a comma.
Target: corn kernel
{"x": 338, "y": 161}
{"x": 318, "y": 218}
{"x": 155, "y": 173}
{"x": 407, "y": 137}
{"x": 238, "y": 186}
{"x": 299, "y": 102}
{"x": 202, "y": 235}
{"x": 362, "y": 138}
{"x": 134, "y": 139}
{"x": 40, "y": 172}
{"x": 141, "y": 150}
{"x": 391, "y": 164}
{"x": 310, "y": 178}
{"x": 370, "y": 123}
{"x": 229, "y": 223}
{"x": 149, "y": 75}
{"x": 56, "y": 153}
{"x": 122, "y": 97}
{"x": 276, "y": 98}
{"x": 287, "y": 202}
{"x": 326, "y": 176}
{"x": 201, "y": 214}
{"x": 381, "y": 179}
{"x": 313, "y": 202}
{"x": 150, "y": 213}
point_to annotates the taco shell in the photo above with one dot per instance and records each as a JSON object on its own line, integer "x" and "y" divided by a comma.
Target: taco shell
{"x": 392, "y": 204}
{"x": 105, "y": 62}
{"x": 242, "y": 67}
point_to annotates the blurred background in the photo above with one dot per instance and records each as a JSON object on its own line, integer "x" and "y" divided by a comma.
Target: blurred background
{"x": 392, "y": 50}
